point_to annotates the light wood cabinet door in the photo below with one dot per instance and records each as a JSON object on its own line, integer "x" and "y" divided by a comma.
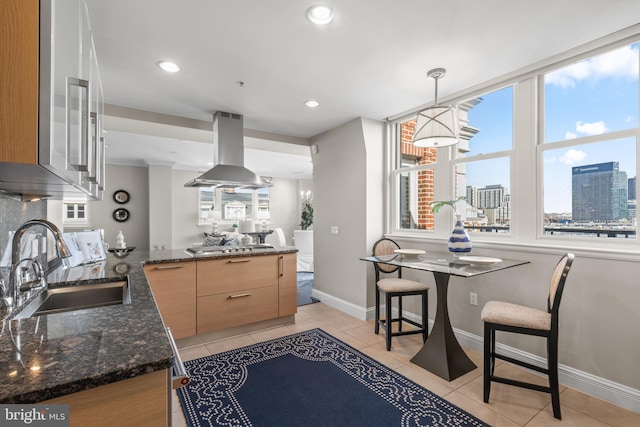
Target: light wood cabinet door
{"x": 174, "y": 289}
{"x": 19, "y": 26}
{"x": 137, "y": 401}
{"x": 234, "y": 274}
{"x": 230, "y": 309}
{"x": 287, "y": 284}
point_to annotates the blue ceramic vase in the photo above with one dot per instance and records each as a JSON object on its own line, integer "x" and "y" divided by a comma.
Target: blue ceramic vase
{"x": 459, "y": 242}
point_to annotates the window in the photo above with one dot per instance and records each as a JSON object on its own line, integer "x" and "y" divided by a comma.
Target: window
{"x": 479, "y": 171}
{"x": 483, "y": 162}
{"x": 206, "y": 202}
{"x": 415, "y": 182}
{"x": 564, "y": 137}
{"x": 589, "y": 150}
{"x": 75, "y": 212}
{"x": 231, "y": 205}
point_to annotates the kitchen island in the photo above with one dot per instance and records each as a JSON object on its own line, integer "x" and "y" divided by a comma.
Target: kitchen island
{"x": 49, "y": 357}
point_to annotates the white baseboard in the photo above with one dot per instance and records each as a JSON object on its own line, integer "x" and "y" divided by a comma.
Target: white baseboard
{"x": 618, "y": 394}
{"x": 342, "y": 305}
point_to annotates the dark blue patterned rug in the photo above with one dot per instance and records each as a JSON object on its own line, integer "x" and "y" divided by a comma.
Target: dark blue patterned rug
{"x": 305, "y": 380}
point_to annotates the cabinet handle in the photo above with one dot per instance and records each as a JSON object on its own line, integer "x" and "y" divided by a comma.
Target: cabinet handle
{"x": 77, "y": 156}
{"x": 281, "y": 265}
{"x": 100, "y": 164}
{"x": 233, "y": 261}
{"x": 248, "y": 294}
{"x": 170, "y": 267}
{"x": 93, "y": 156}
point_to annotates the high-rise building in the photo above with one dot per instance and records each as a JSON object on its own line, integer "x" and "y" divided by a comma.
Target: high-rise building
{"x": 599, "y": 192}
{"x": 490, "y": 197}
{"x": 632, "y": 188}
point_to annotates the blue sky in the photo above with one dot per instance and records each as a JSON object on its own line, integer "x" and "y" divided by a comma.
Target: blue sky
{"x": 591, "y": 97}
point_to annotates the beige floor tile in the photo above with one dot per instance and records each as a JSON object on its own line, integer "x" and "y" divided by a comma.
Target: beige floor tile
{"x": 195, "y": 352}
{"x": 519, "y": 404}
{"x": 382, "y": 356}
{"x": 365, "y": 333}
{"x": 272, "y": 333}
{"x": 508, "y": 406}
{"x": 599, "y": 409}
{"x": 175, "y": 402}
{"x": 230, "y": 344}
{"x": 480, "y": 410}
{"x": 350, "y": 339}
{"x": 344, "y": 322}
{"x": 178, "y": 420}
{"x": 570, "y": 418}
{"x": 303, "y": 317}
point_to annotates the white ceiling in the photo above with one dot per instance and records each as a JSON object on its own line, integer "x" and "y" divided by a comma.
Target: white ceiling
{"x": 370, "y": 61}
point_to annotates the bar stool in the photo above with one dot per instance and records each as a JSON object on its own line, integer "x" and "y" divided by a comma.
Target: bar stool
{"x": 504, "y": 316}
{"x": 397, "y": 287}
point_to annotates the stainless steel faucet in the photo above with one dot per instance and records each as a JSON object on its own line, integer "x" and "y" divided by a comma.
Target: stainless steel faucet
{"x": 62, "y": 251}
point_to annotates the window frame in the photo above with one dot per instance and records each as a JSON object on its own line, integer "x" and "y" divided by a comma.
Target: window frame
{"x": 527, "y": 154}
{"x": 217, "y": 206}
{"x": 75, "y": 221}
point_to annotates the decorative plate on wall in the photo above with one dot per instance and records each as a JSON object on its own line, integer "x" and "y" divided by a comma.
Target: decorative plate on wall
{"x": 121, "y": 214}
{"x": 121, "y": 197}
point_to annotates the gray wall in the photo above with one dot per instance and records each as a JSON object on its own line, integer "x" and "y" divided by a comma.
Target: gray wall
{"x": 599, "y": 339}
{"x": 347, "y": 180}
{"x": 134, "y": 180}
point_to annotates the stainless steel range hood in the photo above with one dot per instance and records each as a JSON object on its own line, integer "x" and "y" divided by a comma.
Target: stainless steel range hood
{"x": 228, "y": 157}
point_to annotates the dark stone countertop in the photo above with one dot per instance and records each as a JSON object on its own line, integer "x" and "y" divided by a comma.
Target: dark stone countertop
{"x": 57, "y": 354}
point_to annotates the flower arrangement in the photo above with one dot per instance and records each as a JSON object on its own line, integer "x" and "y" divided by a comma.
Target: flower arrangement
{"x": 436, "y": 205}
{"x": 307, "y": 215}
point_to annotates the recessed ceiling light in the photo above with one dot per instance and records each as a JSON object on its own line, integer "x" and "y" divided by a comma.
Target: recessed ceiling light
{"x": 311, "y": 103}
{"x": 320, "y": 15}
{"x": 168, "y": 66}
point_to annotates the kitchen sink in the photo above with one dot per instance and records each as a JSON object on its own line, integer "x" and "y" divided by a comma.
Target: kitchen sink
{"x": 70, "y": 298}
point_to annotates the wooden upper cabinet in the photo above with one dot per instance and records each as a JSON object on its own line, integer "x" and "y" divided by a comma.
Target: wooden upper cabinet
{"x": 51, "y": 102}
{"x": 19, "y": 29}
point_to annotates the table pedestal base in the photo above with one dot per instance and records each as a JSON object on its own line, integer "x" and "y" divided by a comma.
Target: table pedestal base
{"x": 441, "y": 353}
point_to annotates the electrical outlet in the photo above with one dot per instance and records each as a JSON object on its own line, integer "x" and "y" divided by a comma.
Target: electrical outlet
{"x": 473, "y": 298}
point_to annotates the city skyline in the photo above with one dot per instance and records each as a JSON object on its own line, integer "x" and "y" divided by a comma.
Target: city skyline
{"x": 590, "y": 98}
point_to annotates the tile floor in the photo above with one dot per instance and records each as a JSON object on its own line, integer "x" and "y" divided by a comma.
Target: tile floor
{"x": 509, "y": 406}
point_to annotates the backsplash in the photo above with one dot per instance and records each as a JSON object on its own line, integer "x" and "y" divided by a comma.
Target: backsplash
{"x": 14, "y": 213}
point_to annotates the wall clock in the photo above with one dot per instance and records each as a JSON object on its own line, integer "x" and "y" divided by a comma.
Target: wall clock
{"x": 121, "y": 214}
{"x": 121, "y": 197}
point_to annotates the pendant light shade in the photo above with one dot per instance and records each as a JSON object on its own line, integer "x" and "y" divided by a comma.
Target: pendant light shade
{"x": 436, "y": 126}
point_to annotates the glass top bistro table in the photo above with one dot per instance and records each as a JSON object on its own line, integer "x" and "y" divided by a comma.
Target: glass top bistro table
{"x": 442, "y": 353}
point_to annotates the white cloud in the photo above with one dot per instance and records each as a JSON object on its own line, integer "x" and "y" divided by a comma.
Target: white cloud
{"x": 620, "y": 63}
{"x": 628, "y": 119}
{"x": 571, "y": 157}
{"x": 570, "y": 135}
{"x": 595, "y": 128}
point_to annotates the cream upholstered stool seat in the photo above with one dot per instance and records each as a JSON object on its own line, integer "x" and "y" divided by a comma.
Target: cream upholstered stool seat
{"x": 399, "y": 288}
{"x": 510, "y": 314}
{"x": 514, "y": 318}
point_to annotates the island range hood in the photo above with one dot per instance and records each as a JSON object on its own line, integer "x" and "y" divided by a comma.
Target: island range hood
{"x": 228, "y": 157}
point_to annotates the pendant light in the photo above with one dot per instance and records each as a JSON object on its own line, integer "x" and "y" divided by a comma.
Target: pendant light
{"x": 436, "y": 126}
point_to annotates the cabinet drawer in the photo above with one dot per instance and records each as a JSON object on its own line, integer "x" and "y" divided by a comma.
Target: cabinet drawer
{"x": 237, "y": 308}
{"x": 174, "y": 289}
{"x": 217, "y": 276}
